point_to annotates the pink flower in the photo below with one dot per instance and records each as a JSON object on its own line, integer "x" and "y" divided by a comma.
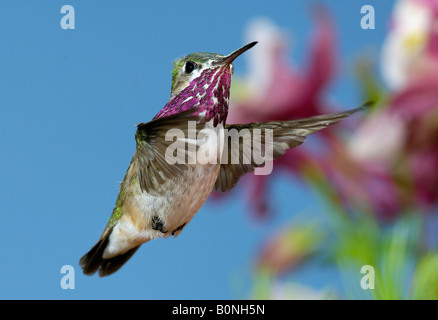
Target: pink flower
{"x": 400, "y": 140}
{"x": 411, "y": 46}
{"x": 418, "y": 107}
{"x": 391, "y": 158}
{"x": 388, "y": 163}
{"x": 275, "y": 90}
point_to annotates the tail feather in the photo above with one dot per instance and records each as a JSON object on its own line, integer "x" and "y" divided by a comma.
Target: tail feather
{"x": 93, "y": 261}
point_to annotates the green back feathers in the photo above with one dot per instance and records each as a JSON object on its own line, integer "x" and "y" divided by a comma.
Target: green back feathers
{"x": 177, "y": 65}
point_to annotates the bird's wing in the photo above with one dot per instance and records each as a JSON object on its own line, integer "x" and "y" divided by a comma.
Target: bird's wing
{"x": 164, "y": 148}
{"x": 239, "y": 159}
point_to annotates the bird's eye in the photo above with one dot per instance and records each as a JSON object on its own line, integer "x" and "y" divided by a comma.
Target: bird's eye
{"x": 190, "y": 66}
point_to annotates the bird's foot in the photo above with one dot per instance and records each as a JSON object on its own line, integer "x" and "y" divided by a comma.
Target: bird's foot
{"x": 157, "y": 224}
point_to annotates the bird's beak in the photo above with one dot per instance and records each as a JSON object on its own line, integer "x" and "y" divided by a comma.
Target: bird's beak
{"x": 227, "y": 60}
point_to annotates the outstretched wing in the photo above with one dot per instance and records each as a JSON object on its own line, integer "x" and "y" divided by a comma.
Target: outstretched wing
{"x": 164, "y": 148}
{"x": 284, "y": 135}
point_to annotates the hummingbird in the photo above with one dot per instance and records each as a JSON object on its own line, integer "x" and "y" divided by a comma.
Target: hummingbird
{"x": 158, "y": 198}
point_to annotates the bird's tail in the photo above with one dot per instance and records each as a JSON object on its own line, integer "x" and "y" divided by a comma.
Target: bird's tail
{"x": 92, "y": 261}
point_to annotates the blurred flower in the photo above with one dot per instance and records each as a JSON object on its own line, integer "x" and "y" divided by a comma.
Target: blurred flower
{"x": 363, "y": 186}
{"x": 378, "y": 138}
{"x": 385, "y": 168}
{"x": 418, "y": 107}
{"x": 391, "y": 155}
{"x": 274, "y": 90}
{"x": 406, "y": 43}
{"x": 288, "y": 248}
{"x": 388, "y": 162}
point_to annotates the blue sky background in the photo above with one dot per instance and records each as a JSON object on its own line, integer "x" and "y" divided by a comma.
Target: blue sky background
{"x": 69, "y": 102}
